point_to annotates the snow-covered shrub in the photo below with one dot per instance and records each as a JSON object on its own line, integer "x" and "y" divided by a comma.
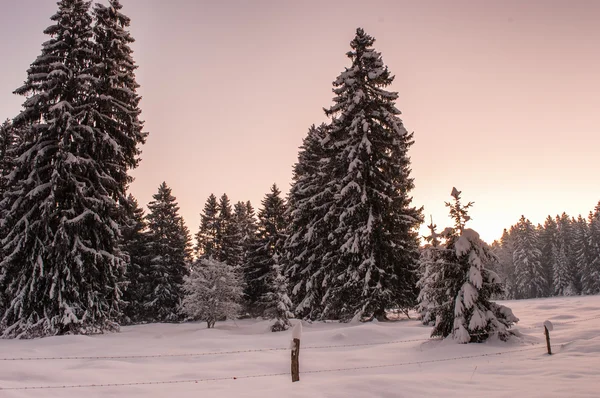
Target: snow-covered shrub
{"x": 213, "y": 291}
{"x": 276, "y": 301}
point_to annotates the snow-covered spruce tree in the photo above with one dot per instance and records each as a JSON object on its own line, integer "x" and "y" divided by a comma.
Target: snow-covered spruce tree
{"x": 229, "y": 240}
{"x": 565, "y": 273}
{"x": 530, "y": 279}
{"x": 169, "y": 245}
{"x": 374, "y": 241}
{"x": 8, "y": 144}
{"x": 206, "y": 238}
{"x": 116, "y": 110}
{"x": 307, "y": 231}
{"x": 7, "y": 141}
{"x": 244, "y": 218}
{"x": 463, "y": 286}
{"x": 276, "y": 301}
{"x": 506, "y": 266}
{"x": 136, "y": 245}
{"x": 592, "y": 273}
{"x": 213, "y": 291}
{"x": 584, "y": 255}
{"x": 549, "y": 246}
{"x": 62, "y": 271}
{"x": 269, "y": 242}
{"x": 429, "y": 265}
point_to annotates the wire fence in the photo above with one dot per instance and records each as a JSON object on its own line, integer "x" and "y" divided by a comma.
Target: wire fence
{"x": 234, "y": 352}
{"x": 200, "y": 354}
{"x": 200, "y": 380}
{"x": 255, "y": 350}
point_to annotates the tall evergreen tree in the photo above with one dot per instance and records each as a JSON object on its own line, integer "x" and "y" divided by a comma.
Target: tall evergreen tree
{"x": 62, "y": 270}
{"x": 530, "y": 279}
{"x": 116, "y": 111}
{"x": 136, "y": 245}
{"x": 228, "y": 237}
{"x": 550, "y": 249}
{"x": 169, "y": 244}
{"x": 374, "y": 242}
{"x": 207, "y": 236}
{"x": 565, "y": 272}
{"x": 462, "y": 285}
{"x": 584, "y": 255}
{"x": 506, "y": 266}
{"x": 307, "y": 241}
{"x": 244, "y": 218}
{"x": 8, "y": 143}
{"x": 269, "y": 243}
{"x": 246, "y": 228}
{"x": 592, "y": 273}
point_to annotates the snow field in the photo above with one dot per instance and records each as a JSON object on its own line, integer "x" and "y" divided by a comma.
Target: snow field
{"x": 422, "y": 368}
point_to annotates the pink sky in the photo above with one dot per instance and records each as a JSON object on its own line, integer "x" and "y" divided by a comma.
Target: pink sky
{"x": 503, "y": 96}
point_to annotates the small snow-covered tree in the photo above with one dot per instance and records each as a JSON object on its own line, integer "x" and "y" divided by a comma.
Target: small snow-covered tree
{"x": 213, "y": 291}
{"x": 276, "y": 301}
{"x": 169, "y": 245}
{"x": 463, "y": 286}
{"x": 269, "y": 242}
{"x": 530, "y": 279}
{"x": 428, "y": 264}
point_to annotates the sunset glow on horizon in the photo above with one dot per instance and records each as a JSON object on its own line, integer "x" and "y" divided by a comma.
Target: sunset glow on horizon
{"x": 503, "y": 97}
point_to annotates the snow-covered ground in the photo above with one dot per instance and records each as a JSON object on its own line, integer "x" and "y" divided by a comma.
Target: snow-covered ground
{"x": 416, "y": 368}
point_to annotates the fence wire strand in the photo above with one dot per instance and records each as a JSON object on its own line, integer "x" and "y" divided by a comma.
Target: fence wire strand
{"x": 208, "y": 353}
{"x": 266, "y": 374}
{"x": 199, "y": 380}
{"x": 233, "y": 352}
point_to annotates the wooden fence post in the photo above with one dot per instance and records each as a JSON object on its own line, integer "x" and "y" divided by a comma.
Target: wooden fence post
{"x": 548, "y": 327}
{"x": 296, "y": 334}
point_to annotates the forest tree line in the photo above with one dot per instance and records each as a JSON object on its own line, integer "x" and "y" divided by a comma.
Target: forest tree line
{"x": 79, "y": 255}
{"x": 559, "y": 258}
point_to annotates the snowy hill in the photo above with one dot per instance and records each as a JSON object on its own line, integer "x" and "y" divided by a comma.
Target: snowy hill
{"x": 393, "y": 359}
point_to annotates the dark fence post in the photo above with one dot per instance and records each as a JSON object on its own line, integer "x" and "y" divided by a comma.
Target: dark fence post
{"x": 296, "y": 334}
{"x": 547, "y": 329}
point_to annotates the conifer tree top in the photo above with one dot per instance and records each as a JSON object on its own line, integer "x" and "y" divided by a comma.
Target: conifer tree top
{"x": 458, "y": 211}
{"x": 360, "y": 91}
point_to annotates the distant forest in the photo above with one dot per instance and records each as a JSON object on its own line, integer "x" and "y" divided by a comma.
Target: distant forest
{"x": 559, "y": 258}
